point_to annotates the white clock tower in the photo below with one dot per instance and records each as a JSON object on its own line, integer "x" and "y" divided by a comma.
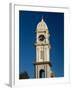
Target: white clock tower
{"x": 42, "y": 63}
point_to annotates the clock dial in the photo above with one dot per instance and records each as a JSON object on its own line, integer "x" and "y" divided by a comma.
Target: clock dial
{"x": 41, "y": 37}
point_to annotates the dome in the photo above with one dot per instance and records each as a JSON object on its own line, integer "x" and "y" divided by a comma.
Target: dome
{"x": 42, "y": 25}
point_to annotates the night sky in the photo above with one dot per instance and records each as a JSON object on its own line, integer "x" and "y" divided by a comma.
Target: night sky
{"x": 28, "y": 21}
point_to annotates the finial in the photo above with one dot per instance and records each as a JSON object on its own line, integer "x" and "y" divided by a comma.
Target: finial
{"x": 42, "y": 19}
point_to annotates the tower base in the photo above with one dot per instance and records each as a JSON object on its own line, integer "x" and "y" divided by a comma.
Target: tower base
{"x": 43, "y": 70}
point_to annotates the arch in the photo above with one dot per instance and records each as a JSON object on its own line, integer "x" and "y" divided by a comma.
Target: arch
{"x": 42, "y": 73}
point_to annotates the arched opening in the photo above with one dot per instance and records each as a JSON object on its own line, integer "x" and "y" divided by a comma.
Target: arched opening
{"x": 52, "y": 75}
{"x": 42, "y": 73}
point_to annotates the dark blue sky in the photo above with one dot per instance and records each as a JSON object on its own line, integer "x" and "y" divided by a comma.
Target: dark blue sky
{"x": 28, "y": 21}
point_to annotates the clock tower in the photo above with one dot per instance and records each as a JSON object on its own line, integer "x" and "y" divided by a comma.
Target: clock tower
{"x": 42, "y": 65}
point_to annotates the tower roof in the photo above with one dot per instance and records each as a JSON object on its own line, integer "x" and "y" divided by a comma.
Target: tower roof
{"x": 42, "y": 25}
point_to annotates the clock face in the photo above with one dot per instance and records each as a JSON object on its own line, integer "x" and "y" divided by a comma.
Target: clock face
{"x": 41, "y": 37}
